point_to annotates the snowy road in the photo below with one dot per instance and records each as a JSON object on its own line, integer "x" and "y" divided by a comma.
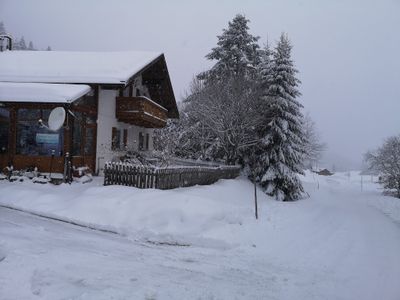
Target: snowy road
{"x": 334, "y": 245}
{"x": 54, "y": 260}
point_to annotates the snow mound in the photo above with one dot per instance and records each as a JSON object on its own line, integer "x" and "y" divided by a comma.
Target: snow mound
{"x": 187, "y": 216}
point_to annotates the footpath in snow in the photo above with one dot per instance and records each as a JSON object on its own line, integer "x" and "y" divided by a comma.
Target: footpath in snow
{"x": 341, "y": 243}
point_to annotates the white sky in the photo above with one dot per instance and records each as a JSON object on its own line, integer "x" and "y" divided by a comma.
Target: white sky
{"x": 347, "y": 51}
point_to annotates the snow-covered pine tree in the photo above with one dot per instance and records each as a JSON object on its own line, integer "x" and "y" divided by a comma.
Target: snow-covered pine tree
{"x": 30, "y": 46}
{"x": 236, "y": 52}
{"x": 2, "y": 28}
{"x": 20, "y": 45}
{"x": 253, "y": 157}
{"x": 283, "y": 138}
{"x": 219, "y": 107}
{"x": 265, "y": 65}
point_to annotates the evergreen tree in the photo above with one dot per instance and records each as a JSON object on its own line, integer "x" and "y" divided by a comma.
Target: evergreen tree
{"x": 2, "y": 28}
{"x": 22, "y": 44}
{"x": 265, "y": 64}
{"x": 236, "y": 52}
{"x": 19, "y": 44}
{"x": 30, "y": 47}
{"x": 48, "y": 48}
{"x": 283, "y": 139}
{"x": 253, "y": 157}
{"x": 214, "y": 127}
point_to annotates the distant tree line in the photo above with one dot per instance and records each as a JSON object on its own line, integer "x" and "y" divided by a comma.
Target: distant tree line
{"x": 245, "y": 110}
{"x": 19, "y": 44}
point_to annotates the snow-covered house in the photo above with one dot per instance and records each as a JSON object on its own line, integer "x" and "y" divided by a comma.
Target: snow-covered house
{"x": 113, "y": 102}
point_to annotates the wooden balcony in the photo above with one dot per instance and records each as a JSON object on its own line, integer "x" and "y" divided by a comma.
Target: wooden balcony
{"x": 140, "y": 111}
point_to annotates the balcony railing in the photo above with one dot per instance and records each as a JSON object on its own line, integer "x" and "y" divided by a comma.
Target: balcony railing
{"x": 140, "y": 111}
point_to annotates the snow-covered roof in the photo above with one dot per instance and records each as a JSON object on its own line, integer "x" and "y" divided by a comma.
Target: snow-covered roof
{"x": 41, "y": 92}
{"x": 73, "y": 67}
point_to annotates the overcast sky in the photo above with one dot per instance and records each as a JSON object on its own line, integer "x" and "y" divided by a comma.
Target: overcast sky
{"x": 347, "y": 52}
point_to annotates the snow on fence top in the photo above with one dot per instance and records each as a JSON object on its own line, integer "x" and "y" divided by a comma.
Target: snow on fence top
{"x": 41, "y": 92}
{"x": 72, "y": 66}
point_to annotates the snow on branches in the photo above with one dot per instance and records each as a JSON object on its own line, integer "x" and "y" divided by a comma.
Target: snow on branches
{"x": 245, "y": 110}
{"x": 386, "y": 161}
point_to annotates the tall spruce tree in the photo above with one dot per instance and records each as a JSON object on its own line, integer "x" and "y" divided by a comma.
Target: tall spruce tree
{"x": 252, "y": 157}
{"x": 30, "y": 46}
{"x": 236, "y": 52}
{"x": 22, "y": 44}
{"x": 283, "y": 138}
{"x": 2, "y": 28}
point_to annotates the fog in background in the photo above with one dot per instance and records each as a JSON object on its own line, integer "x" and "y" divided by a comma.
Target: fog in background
{"x": 347, "y": 51}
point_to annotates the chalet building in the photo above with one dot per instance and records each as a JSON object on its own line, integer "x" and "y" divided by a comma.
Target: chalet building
{"x": 113, "y": 101}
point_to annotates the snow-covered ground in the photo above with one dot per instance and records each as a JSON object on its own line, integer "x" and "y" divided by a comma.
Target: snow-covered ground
{"x": 200, "y": 242}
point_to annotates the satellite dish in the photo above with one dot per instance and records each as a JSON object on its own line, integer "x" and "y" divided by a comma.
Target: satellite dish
{"x": 56, "y": 118}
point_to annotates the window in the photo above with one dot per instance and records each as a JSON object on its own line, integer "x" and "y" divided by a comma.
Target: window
{"x": 89, "y": 146}
{"x": 4, "y": 129}
{"x": 83, "y": 134}
{"x": 34, "y": 139}
{"x": 147, "y": 141}
{"x": 144, "y": 141}
{"x": 88, "y": 100}
{"x": 77, "y": 135}
{"x": 141, "y": 141}
{"x": 125, "y": 138}
{"x": 116, "y": 139}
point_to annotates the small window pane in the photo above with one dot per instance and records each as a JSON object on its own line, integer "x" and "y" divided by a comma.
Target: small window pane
{"x": 77, "y": 138}
{"x": 89, "y": 145}
{"x": 141, "y": 141}
{"x": 116, "y": 139}
{"x": 29, "y": 114}
{"x": 33, "y": 139}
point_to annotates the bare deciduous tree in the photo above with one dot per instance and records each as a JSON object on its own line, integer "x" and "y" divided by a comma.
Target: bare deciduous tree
{"x": 228, "y": 110}
{"x": 313, "y": 147}
{"x": 386, "y": 161}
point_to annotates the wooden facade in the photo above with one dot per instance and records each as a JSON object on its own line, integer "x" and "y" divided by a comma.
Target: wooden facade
{"x": 76, "y": 144}
{"x": 140, "y": 111}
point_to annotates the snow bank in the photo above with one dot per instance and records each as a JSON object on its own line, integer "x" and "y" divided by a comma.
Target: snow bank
{"x": 182, "y": 215}
{"x": 328, "y": 246}
{"x": 220, "y": 215}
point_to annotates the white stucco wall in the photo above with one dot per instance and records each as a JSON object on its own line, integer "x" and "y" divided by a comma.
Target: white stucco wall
{"x": 105, "y": 122}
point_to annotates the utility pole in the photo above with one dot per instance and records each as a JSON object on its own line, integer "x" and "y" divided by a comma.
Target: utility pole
{"x": 255, "y": 197}
{"x": 361, "y": 183}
